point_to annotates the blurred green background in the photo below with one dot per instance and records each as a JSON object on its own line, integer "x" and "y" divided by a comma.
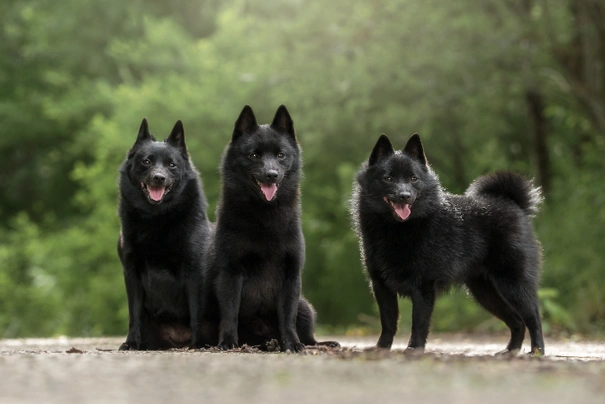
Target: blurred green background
{"x": 489, "y": 84}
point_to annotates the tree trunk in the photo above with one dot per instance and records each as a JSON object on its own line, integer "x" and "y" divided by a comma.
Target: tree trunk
{"x": 535, "y": 105}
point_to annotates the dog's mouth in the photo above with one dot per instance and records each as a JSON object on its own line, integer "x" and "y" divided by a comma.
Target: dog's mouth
{"x": 401, "y": 210}
{"x": 155, "y": 194}
{"x": 268, "y": 189}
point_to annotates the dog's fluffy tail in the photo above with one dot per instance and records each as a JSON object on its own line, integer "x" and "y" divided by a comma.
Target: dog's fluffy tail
{"x": 505, "y": 184}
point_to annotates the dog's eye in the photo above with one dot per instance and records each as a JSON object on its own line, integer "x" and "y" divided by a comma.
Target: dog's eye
{"x": 146, "y": 162}
{"x": 254, "y": 156}
{"x": 414, "y": 179}
{"x": 171, "y": 164}
{"x": 388, "y": 178}
{"x": 281, "y": 156}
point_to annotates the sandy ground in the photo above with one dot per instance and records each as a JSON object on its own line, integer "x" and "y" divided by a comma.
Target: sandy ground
{"x": 455, "y": 369}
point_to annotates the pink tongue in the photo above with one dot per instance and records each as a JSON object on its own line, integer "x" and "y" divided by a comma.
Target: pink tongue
{"x": 269, "y": 190}
{"x": 156, "y": 193}
{"x": 402, "y": 210}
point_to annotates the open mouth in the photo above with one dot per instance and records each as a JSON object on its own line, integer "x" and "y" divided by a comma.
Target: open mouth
{"x": 155, "y": 194}
{"x": 268, "y": 189}
{"x": 401, "y": 210}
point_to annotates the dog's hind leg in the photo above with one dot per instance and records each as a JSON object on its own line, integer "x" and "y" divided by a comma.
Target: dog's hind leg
{"x": 305, "y": 322}
{"x": 305, "y": 325}
{"x": 488, "y": 296}
{"x": 523, "y": 298}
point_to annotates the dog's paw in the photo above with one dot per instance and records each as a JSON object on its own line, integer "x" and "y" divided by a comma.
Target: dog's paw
{"x": 296, "y": 348}
{"x": 292, "y": 346}
{"x": 413, "y": 351}
{"x": 508, "y": 353}
{"x": 129, "y": 346}
{"x": 227, "y": 343}
{"x": 226, "y": 346}
{"x": 199, "y": 345}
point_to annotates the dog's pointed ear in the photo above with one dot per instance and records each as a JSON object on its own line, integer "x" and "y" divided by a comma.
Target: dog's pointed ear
{"x": 382, "y": 150}
{"x": 414, "y": 149}
{"x": 282, "y": 122}
{"x": 142, "y": 137}
{"x": 177, "y": 138}
{"x": 245, "y": 124}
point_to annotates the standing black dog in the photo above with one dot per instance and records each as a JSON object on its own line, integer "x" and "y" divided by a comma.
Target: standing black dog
{"x": 162, "y": 242}
{"x": 417, "y": 240}
{"x": 257, "y": 255}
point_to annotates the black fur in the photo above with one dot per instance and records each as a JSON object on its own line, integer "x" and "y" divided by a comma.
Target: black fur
{"x": 257, "y": 254}
{"x": 418, "y": 240}
{"x": 162, "y": 242}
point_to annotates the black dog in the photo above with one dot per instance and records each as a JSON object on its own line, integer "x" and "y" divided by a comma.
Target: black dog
{"x": 258, "y": 251}
{"x": 162, "y": 242}
{"x": 417, "y": 240}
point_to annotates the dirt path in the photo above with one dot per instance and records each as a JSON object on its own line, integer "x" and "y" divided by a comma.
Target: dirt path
{"x": 456, "y": 369}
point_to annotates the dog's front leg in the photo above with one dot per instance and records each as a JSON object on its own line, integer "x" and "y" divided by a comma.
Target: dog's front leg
{"x": 229, "y": 294}
{"x": 287, "y": 310}
{"x": 423, "y": 302}
{"x": 389, "y": 312}
{"x": 135, "y": 295}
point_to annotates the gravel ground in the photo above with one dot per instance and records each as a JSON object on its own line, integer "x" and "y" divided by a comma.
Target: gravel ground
{"x": 456, "y": 368}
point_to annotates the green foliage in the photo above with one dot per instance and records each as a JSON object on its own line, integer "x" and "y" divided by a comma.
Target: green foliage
{"x": 573, "y": 242}
{"x": 78, "y": 77}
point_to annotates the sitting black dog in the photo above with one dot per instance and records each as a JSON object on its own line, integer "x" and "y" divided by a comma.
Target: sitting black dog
{"x": 162, "y": 242}
{"x": 257, "y": 254}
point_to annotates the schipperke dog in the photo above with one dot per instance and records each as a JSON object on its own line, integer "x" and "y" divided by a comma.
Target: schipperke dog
{"x": 258, "y": 251}
{"x": 162, "y": 242}
{"x": 417, "y": 240}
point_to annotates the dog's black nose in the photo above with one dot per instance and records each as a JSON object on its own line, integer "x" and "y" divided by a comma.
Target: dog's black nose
{"x": 404, "y": 196}
{"x": 272, "y": 175}
{"x": 159, "y": 178}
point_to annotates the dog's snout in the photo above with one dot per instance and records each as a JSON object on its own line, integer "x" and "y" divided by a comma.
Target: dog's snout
{"x": 404, "y": 196}
{"x": 159, "y": 178}
{"x": 272, "y": 175}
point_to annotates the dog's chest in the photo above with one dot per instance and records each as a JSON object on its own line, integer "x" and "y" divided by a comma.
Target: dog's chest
{"x": 401, "y": 262}
{"x": 260, "y": 291}
{"x": 165, "y": 293}
{"x": 264, "y": 253}
{"x": 263, "y": 279}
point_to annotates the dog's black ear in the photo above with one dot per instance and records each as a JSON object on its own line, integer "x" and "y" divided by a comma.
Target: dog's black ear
{"x": 177, "y": 138}
{"x": 144, "y": 134}
{"x": 245, "y": 124}
{"x": 382, "y": 150}
{"x": 142, "y": 137}
{"x": 414, "y": 149}
{"x": 282, "y": 122}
